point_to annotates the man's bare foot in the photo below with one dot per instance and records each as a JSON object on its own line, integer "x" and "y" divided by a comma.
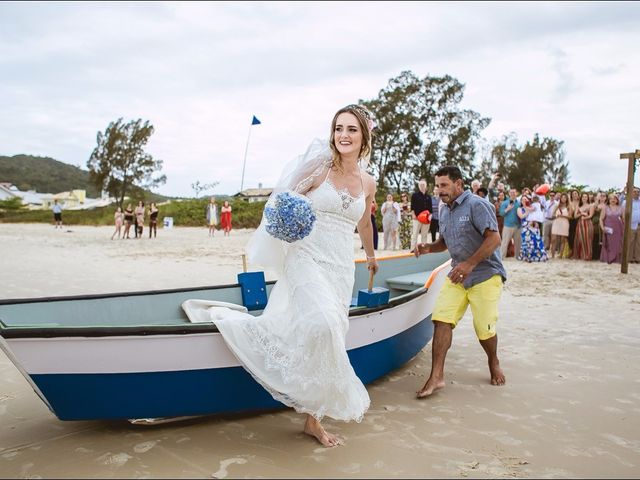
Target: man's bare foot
{"x": 312, "y": 427}
{"x": 497, "y": 375}
{"x": 430, "y": 387}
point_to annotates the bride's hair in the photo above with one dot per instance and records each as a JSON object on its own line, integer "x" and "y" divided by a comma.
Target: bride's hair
{"x": 365, "y": 120}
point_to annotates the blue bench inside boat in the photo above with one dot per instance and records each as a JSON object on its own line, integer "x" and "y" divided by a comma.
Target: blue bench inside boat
{"x": 410, "y": 281}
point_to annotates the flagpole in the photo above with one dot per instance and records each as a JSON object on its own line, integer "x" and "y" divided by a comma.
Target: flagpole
{"x": 244, "y": 164}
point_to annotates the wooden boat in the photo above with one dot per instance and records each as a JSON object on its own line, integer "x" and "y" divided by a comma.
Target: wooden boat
{"x": 136, "y": 355}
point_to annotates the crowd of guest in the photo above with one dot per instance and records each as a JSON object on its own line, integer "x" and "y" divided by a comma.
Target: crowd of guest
{"x": 135, "y": 218}
{"x": 576, "y": 225}
{"x": 535, "y": 223}
{"x": 539, "y": 223}
{"x": 130, "y": 222}
{"x": 407, "y": 222}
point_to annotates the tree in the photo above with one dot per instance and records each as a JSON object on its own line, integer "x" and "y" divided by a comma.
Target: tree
{"x": 537, "y": 161}
{"x": 198, "y": 187}
{"x": 119, "y": 161}
{"x": 420, "y": 128}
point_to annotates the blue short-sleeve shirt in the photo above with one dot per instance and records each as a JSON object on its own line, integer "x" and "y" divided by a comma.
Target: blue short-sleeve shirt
{"x": 462, "y": 228}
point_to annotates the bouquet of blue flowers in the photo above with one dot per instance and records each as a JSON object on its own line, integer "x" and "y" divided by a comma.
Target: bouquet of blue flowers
{"x": 290, "y": 217}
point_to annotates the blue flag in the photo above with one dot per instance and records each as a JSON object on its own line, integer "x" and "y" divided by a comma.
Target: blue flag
{"x": 255, "y": 121}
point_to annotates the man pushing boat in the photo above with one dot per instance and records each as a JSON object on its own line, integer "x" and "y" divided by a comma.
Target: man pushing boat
{"x": 469, "y": 230}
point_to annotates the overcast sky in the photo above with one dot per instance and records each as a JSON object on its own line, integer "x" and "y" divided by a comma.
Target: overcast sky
{"x": 199, "y": 72}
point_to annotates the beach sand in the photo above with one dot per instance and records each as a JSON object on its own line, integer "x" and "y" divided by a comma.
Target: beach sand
{"x": 569, "y": 344}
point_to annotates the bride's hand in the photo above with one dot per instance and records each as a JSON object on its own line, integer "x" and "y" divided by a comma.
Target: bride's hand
{"x": 372, "y": 264}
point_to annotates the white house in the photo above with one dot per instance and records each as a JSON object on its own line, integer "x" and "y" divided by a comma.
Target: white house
{"x": 6, "y": 192}
{"x": 31, "y": 198}
{"x": 71, "y": 200}
{"x": 254, "y": 194}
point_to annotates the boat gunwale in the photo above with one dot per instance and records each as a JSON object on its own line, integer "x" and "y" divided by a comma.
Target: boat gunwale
{"x": 15, "y": 332}
{"x": 98, "y": 296}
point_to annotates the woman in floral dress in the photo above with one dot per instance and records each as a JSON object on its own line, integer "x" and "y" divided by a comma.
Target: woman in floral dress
{"x": 530, "y": 213}
{"x": 404, "y": 229}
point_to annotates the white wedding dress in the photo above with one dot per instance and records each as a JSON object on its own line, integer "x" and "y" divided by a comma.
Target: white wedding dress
{"x": 296, "y": 348}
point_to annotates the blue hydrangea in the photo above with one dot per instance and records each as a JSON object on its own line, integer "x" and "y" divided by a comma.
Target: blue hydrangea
{"x": 290, "y": 217}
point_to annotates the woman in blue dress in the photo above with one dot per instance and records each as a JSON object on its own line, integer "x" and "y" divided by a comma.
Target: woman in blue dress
{"x": 530, "y": 213}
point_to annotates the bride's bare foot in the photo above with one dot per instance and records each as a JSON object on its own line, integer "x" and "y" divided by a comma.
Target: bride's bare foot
{"x": 312, "y": 427}
{"x": 432, "y": 386}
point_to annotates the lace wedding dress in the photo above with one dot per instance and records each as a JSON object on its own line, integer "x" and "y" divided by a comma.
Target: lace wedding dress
{"x": 296, "y": 348}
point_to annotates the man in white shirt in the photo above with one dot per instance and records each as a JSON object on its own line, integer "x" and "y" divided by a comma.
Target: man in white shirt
{"x": 57, "y": 214}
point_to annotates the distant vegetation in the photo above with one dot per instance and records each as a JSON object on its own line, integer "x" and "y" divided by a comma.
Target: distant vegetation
{"x": 119, "y": 162}
{"x": 422, "y": 126}
{"x": 44, "y": 174}
{"x": 185, "y": 213}
{"x": 47, "y": 175}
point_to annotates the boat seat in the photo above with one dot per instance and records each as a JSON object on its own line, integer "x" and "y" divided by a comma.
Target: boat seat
{"x": 410, "y": 281}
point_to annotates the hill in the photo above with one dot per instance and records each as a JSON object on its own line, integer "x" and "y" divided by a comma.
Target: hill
{"x": 48, "y": 175}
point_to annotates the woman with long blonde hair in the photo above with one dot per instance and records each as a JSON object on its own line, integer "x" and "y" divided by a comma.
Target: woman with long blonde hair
{"x": 296, "y": 349}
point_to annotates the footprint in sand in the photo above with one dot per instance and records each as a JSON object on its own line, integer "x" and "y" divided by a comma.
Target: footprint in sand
{"x": 222, "y": 471}
{"x": 443, "y": 434}
{"x": 612, "y": 409}
{"x": 436, "y": 420}
{"x": 144, "y": 446}
{"x": 351, "y": 468}
{"x": 117, "y": 459}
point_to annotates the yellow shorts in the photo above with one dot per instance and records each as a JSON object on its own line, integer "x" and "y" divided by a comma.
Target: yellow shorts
{"x": 483, "y": 297}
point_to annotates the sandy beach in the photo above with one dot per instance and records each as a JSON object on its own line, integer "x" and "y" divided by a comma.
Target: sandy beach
{"x": 569, "y": 344}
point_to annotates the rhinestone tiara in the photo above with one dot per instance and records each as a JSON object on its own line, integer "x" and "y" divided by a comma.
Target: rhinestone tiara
{"x": 365, "y": 113}
{"x": 361, "y": 110}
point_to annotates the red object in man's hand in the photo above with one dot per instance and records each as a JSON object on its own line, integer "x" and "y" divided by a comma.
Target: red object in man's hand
{"x": 424, "y": 217}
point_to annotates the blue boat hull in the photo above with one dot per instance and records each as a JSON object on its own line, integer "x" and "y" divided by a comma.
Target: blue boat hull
{"x": 202, "y": 392}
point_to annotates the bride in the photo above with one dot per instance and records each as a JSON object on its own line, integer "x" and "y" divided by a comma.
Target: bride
{"x": 296, "y": 348}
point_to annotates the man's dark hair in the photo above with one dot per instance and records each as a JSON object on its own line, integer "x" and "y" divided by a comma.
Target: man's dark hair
{"x": 450, "y": 171}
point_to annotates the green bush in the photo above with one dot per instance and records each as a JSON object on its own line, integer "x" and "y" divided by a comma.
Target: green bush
{"x": 185, "y": 213}
{"x": 14, "y": 203}
{"x": 192, "y": 212}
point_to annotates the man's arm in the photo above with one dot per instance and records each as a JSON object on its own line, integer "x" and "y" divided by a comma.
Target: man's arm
{"x": 490, "y": 243}
{"x": 437, "y": 246}
{"x": 462, "y": 270}
{"x": 365, "y": 228}
{"x": 506, "y": 207}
